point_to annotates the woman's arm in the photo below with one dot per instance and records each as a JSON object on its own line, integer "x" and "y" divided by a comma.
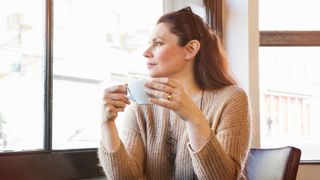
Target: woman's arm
{"x": 114, "y": 101}
{"x": 198, "y": 130}
{"x": 127, "y": 161}
{"x": 224, "y": 154}
{"x": 216, "y": 153}
{"x": 120, "y": 158}
{"x": 110, "y": 139}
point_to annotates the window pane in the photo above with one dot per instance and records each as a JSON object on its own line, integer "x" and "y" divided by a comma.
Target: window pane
{"x": 290, "y": 98}
{"x": 96, "y": 43}
{"x": 289, "y": 15}
{"x": 21, "y": 75}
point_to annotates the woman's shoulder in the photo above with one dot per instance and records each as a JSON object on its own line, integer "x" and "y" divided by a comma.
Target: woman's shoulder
{"x": 228, "y": 92}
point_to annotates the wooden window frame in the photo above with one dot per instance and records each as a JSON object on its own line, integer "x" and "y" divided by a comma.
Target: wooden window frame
{"x": 291, "y": 39}
{"x": 214, "y": 15}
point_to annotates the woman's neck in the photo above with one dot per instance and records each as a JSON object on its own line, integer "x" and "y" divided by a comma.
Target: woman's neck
{"x": 187, "y": 79}
{"x": 190, "y": 86}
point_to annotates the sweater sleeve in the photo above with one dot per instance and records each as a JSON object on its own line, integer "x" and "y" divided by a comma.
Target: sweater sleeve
{"x": 127, "y": 161}
{"x": 224, "y": 155}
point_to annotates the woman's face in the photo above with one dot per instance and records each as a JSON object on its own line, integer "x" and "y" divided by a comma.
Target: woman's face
{"x": 165, "y": 58}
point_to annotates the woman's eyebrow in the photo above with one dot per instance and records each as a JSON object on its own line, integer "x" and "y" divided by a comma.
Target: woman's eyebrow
{"x": 155, "y": 39}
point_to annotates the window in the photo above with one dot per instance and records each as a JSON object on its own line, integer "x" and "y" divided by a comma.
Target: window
{"x": 21, "y": 75}
{"x": 289, "y": 77}
{"x": 55, "y": 61}
{"x": 95, "y": 44}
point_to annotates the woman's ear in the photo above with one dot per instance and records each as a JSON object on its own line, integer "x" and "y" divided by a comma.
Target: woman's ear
{"x": 191, "y": 49}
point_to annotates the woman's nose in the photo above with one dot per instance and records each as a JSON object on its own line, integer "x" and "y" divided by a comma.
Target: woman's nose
{"x": 147, "y": 53}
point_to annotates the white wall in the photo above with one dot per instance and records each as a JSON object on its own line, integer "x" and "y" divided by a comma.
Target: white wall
{"x": 241, "y": 40}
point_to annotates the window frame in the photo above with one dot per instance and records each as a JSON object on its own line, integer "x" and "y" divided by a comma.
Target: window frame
{"x": 291, "y": 38}
{"x": 214, "y": 15}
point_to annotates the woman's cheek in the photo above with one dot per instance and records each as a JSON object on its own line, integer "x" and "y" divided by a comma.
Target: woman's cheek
{"x": 165, "y": 55}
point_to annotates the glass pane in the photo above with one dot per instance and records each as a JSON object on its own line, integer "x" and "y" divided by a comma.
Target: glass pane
{"x": 21, "y": 75}
{"x": 290, "y": 98}
{"x": 95, "y": 43}
{"x": 289, "y": 15}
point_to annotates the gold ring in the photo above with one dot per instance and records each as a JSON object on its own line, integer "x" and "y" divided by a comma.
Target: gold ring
{"x": 169, "y": 97}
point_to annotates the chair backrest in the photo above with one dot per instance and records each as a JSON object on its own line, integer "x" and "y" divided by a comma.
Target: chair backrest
{"x": 273, "y": 164}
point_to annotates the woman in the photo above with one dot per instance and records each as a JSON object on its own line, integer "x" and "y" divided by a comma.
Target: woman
{"x": 198, "y": 125}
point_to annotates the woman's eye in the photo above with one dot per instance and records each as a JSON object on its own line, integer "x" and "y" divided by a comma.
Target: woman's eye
{"x": 157, "y": 43}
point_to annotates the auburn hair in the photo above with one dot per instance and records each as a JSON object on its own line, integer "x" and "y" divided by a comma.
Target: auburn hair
{"x": 211, "y": 68}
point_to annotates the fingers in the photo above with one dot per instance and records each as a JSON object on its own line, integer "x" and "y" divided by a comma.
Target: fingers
{"x": 117, "y": 97}
{"x": 158, "y": 94}
{"x": 159, "y": 87}
{"x": 116, "y": 89}
{"x": 164, "y": 88}
{"x": 118, "y": 104}
{"x": 163, "y": 103}
{"x": 167, "y": 93}
{"x": 163, "y": 84}
{"x": 167, "y": 81}
{"x": 114, "y": 100}
{"x": 113, "y": 108}
{"x": 118, "y": 93}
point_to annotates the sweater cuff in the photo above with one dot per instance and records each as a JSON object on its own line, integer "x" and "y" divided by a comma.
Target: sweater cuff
{"x": 206, "y": 149}
{"x": 199, "y": 149}
{"x": 112, "y": 161}
{"x": 207, "y": 160}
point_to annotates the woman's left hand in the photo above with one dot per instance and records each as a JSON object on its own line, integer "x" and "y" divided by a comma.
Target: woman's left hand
{"x": 169, "y": 93}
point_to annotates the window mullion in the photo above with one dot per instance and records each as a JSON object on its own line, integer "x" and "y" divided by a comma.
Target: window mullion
{"x": 48, "y": 75}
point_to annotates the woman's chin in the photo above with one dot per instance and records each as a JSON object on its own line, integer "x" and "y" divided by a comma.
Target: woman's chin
{"x": 156, "y": 75}
{"x": 153, "y": 74}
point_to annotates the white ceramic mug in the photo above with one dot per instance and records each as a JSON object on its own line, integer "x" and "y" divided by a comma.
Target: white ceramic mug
{"x": 137, "y": 91}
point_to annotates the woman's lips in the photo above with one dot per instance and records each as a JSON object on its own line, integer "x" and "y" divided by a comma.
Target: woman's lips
{"x": 150, "y": 65}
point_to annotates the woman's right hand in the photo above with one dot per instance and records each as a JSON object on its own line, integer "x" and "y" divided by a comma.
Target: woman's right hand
{"x": 114, "y": 100}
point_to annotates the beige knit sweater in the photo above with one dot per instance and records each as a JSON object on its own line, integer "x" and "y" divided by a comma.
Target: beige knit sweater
{"x": 154, "y": 141}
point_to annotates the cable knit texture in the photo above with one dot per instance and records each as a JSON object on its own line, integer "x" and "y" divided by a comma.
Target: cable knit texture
{"x": 155, "y": 144}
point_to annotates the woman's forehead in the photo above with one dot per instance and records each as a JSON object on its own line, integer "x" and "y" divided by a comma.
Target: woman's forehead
{"x": 162, "y": 31}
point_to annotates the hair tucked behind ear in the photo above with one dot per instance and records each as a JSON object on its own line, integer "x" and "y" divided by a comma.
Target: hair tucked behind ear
{"x": 211, "y": 67}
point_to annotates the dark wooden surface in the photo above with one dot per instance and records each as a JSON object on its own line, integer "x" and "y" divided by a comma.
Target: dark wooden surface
{"x": 54, "y": 165}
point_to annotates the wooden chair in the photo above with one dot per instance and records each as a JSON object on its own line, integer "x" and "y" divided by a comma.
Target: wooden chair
{"x": 273, "y": 164}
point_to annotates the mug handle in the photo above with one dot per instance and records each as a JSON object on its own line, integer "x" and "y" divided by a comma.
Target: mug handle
{"x": 130, "y": 96}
